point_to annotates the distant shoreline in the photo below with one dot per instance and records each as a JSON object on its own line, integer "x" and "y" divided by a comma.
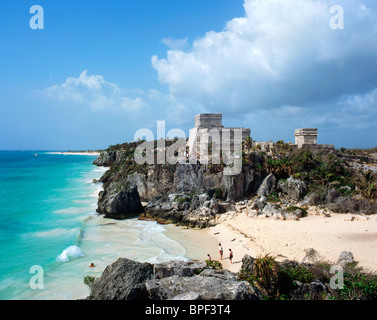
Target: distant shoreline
{"x": 77, "y": 153}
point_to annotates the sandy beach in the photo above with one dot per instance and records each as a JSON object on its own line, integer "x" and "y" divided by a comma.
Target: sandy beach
{"x": 92, "y": 153}
{"x": 329, "y": 236}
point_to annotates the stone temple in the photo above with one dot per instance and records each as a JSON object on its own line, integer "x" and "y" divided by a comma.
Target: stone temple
{"x": 308, "y": 138}
{"x": 209, "y": 130}
{"x": 305, "y": 137}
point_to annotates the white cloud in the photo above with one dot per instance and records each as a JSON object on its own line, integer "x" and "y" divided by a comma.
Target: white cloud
{"x": 175, "y": 44}
{"x": 95, "y": 92}
{"x": 280, "y": 53}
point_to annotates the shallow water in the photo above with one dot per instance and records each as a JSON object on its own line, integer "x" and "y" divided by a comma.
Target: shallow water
{"x": 48, "y": 219}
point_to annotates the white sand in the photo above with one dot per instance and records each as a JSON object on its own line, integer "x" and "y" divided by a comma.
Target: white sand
{"x": 92, "y": 153}
{"x": 289, "y": 239}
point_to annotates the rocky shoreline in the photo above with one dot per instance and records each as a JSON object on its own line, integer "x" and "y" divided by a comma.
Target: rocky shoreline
{"x": 197, "y": 196}
{"x": 192, "y": 280}
{"x": 176, "y": 280}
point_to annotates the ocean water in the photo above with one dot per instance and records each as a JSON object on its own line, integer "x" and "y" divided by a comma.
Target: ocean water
{"x": 48, "y": 219}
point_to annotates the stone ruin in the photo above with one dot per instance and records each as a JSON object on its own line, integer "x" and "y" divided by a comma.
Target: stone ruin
{"x": 209, "y": 130}
{"x": 307, "y": 137}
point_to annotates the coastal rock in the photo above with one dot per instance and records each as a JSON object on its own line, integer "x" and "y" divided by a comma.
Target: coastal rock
{"x": 106, "y": 158}
{"x": 346, "y": 204}
{"x": 183, "y": 209}
{"x": 207, "y": 288}
{"x": 120, "y": 202}
{"x": 188, "y": 296}
{"x": 314, "y": 290}
{"x": 179, "y": 268}
{"x": 272, "y": 210}
{"x": 248, "y": 263}
{"x": 174, "y": 280}
{"x": 268, "y": 186}
{"x": 123, "y": 280}
{"x": 259, "y": 204}
{"x": 314, "y": 199}
{"x": 293, "y": 188}
{"x": 345, "y": 258}
{"x": 136, "y": 179}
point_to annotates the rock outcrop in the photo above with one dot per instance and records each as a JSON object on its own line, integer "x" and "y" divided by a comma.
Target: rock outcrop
{"x": 183, "y": 209}
{"x": 120, "y": 202}
{"x": 175, "y": 280}
{"x": 294, "y": 189}
{"x": 123, "y": 280}
{"x": 268, "y": 186}
{"x": 170, "y": 189}
{"x": 106, "y": 158}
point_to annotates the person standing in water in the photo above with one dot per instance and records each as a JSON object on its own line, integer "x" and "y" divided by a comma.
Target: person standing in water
{"x": 221, "y": 251}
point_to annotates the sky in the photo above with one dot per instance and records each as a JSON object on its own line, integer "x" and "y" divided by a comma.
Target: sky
{"x": 99, "y": 71}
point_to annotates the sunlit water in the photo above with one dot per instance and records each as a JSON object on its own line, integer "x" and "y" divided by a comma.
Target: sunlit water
{"x": 48, "y": 218}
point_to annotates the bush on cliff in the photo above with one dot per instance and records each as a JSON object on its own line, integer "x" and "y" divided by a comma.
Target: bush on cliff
{"x": 290, "y": 280}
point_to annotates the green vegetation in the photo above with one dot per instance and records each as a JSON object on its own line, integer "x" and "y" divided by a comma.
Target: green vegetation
{"x": 304, "y": 213}
{"x": 358, "y": 286}
{"x": 218, "y": 193}
{"x": 90, "y": 281}
{"x": 283, "y": 281}
{"x": 321, "y": 171}
{"x": 265, "y": 273}
{"x": 214, "y": 264}
{"x": 273, "y": 197}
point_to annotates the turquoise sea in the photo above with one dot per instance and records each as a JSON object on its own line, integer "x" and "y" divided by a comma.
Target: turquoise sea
{"x": 48, "y": 219}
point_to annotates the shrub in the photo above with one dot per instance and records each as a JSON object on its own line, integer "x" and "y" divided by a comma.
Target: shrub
{"x": 90, "y": 282}
{"x": 265, "y": 273}
{"x": 245, "y": 275}
{"x": 357, "y": 286}
{"x": 304, "y": 213}
{"x": 214, "y": 264}
{"x": 218, "y": 193}
{"x": 273, "y": 197}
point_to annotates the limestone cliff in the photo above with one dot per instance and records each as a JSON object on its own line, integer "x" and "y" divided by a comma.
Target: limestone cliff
{"x": 184, "y": 193}
{"x": 193, "y": 194}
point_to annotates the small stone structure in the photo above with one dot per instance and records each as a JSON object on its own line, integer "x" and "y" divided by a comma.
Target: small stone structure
{"x": 209, "y": 130}
{"x": 307, "y": 137}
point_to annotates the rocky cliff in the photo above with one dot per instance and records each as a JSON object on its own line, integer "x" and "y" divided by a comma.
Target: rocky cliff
{"x": 194, "y": 194}
{"x": 175, "y": 280}
{"x": 187, "y": 194}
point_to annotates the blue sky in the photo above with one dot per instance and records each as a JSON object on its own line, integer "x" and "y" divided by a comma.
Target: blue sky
{"x": 99, "y": 71}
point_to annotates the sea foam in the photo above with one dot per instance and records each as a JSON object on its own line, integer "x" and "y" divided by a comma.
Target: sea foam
{"x": 70, "y": 253}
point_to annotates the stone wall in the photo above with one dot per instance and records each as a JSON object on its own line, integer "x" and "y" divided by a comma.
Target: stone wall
{"x": 209, "y": 131}
{"x": 306, "y": 137}
{"x": 209, "y": 120}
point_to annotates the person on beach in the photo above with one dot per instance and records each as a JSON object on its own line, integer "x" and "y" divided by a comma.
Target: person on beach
{"x": 209, "y": 257}
{"x": 231, "y": 255}
{"x": 221, "y": 250}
